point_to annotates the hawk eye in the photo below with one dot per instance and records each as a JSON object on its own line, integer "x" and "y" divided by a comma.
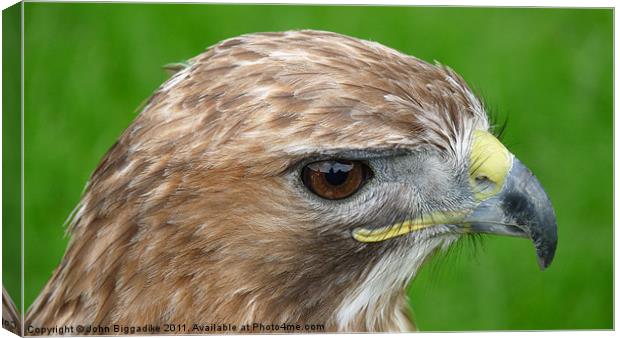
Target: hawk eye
{"x": 335, "y": 179}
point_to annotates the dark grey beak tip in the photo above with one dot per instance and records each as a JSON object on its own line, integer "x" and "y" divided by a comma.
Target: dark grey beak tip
{"x": 544, "y": 261}
{"x": 545, "y": 250}
{"x": 542, "y": 264}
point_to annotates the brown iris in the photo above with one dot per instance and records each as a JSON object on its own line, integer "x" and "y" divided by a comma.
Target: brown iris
{"x": 335, "y": 179}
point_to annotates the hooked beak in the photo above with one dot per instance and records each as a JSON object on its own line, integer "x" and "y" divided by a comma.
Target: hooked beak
{"x": 509, "y": 200}
{"x": 520, "y": 209}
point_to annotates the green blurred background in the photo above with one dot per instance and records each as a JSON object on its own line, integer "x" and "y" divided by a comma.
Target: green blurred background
{"x": 11, "y": 151}
{"x": 88, "y": 66}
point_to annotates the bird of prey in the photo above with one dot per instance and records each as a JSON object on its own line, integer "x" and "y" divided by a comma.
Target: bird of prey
{"x": 297, "y": 177}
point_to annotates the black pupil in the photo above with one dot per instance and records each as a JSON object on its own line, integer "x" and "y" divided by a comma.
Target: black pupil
{"x": 336, "y": 177}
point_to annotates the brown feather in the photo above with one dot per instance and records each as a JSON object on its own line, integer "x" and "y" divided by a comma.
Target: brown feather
{"x": 11, "y": 319}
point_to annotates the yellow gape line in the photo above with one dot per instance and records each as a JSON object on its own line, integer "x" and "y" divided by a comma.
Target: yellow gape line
{"x": 490, "y": 161}
{"x": 489, "y": 166}
{"x": 398, "y": 229}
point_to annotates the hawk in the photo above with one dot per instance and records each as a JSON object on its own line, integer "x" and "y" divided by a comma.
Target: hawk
{"x": 297, "y": 177}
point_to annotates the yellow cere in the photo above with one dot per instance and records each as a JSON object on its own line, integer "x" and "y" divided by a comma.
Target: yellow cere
{"x": 398, "y": 229}
{"x": 490, "y": 160}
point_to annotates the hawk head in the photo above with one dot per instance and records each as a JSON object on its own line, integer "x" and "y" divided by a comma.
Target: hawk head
{"x": 298, "y": 177}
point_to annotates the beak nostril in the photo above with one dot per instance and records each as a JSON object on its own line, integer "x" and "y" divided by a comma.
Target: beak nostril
{"x": 482, "y": 179}
{"x": 483, "y": 184}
